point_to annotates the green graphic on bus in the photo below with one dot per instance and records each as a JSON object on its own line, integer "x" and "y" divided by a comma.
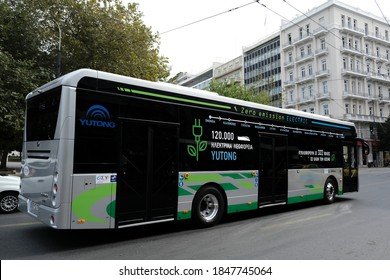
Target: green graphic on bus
{"x": 197, "y": 131}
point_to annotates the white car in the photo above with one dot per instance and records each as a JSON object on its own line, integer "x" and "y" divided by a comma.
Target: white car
{"x": 9, "y": 192}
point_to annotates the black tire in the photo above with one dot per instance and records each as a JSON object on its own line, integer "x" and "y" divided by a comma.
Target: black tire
{"x": 208, "y": 207}
{"x": 330, "y": 189}
{"x": 8, "y": 202}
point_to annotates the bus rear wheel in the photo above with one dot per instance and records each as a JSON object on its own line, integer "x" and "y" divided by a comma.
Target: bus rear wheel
{"x": 208, "y": 207}
{"x": 330, "y": 191}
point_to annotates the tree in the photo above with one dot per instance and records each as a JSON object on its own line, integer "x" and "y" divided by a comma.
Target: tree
{"x": 239, "y": 92}
{"x": 36, "y": 35}
{"x": 383, "y": 130}
{"x": 99, "y": 34}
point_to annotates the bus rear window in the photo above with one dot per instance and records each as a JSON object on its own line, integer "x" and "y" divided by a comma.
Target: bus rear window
{"x": 42, "y": 114}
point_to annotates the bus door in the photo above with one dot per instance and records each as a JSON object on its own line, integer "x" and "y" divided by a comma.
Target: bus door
{"x": 350, "y": 170}
{"x": 273, "y": 169}
{"x": 147, "y": 179}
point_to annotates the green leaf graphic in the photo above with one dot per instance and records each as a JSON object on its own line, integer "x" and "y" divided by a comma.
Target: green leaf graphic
{"x": 191, "y": 150}
{"x": 202, "y": 146}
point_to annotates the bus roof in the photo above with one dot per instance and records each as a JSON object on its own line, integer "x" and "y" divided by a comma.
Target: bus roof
{"x": 72, "y": 79}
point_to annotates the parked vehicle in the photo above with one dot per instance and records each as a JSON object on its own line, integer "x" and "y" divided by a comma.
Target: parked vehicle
{"x": 9, "y": 192}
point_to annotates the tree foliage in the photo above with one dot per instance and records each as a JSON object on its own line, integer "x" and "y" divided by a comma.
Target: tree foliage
{"x": 384, "y": 135}
{"x": 237, "y": 91}
{"x": 100, "y": 34}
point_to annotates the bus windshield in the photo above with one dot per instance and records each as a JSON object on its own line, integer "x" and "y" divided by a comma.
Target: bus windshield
{"x": 42, "y": 113}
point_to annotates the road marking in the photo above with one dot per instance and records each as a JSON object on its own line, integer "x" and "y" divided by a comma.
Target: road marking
{"x": 296, "y": 221}
{"x": 20, "y": 224}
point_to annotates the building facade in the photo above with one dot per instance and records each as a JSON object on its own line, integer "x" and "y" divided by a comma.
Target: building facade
{"x": 336, "y": 62}
{"x": 262, "y": 68}
{"x": 230, "y": 72}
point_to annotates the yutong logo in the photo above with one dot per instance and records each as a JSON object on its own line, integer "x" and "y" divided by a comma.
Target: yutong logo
{"x": 97, "y": 116}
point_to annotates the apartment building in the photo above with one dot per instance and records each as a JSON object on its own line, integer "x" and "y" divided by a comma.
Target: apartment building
{"x": 336, "y": 62}
{"x": 262, "y": 67}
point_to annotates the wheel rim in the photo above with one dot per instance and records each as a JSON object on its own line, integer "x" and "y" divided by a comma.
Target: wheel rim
{"x": 9, "y": 203}
{"x": 208, "y": 207}
{"x": 329, "y": 191}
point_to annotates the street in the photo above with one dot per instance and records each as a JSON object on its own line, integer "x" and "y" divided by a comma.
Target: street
{"x": 355, "y": 227}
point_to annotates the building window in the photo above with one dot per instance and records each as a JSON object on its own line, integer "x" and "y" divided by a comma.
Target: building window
{"x": 366, "y": 28}
{"x": 310, "y": 88}
{"x": 300, "y": 33}
{"x": 376, "y": 31}
{"x": 342, "y": 20}
{"x": 325, "y": 87}
{"x": 303, "y": 91}
{"x": 290, "y": 59}
{"x": 303, "y": 71}
{"x": 354, "y": 24}
{"x": 291, "y": 75}
{"x": 291, "y": 96}
{"x": 323, "y": 65}
{"x": 325, "y": 109}
{"x": 310, "y": 69}
{"x": 347, "y": 108}
{"x": 386, "y": 35}
{"x": 308, "y": 49}
{"x": 302, "y": 50}
{"x": 307, "y": 29}
{"x": 349, "y": 22}
{"x": 289, "y": 38}
{"x": 369, "y": 89}
{"x": 346, "y": 85}
{"x": 378, "y": 51}
{"x": 312, "y": 110}
{"x": 370, "y": 110}
{"x": 343, "y": 40}
{"x": 381, "y": 112}
{"x": 323, "y": 44}
{"x": 367, "y": 49}
{"x": 344, "y": 63}
{"x": 353, "y": 109}
{"x": 360, "y": 109}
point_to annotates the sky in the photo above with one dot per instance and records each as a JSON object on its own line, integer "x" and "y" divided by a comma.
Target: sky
{"x": 240, "y": 23}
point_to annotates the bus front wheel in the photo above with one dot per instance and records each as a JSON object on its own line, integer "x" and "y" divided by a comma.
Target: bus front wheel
{"x": 208, "y": 207}
{"x": 330, "y": 191}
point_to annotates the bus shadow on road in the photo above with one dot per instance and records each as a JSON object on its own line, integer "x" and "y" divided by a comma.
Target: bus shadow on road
{"x": 61, "y": 242}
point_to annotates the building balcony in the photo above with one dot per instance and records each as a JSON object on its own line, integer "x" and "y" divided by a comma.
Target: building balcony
{"x": 363, "y": 118}
{"x": 383, "y": 99}
{"x": 305, "y": 79}
{"x": 322, "y": 51}
{"x": 320, "y": 31}
{"x": 377, "y": 37}
{"x": 349, "y": 29}
{"x": 305, "y": 99}
{"x": 304, "y": 58}
{"x": 351, "y": 50}
{"x": 289, "y": 83}
{"x": 303, "y": 39}
{"x": 355, "y": 95}
{"x": 378, "y": 77}
{"x": 287, "y": 46}
{"x": 322, "y": 73}
{"x": 353, "y": 72}
{"x": 323, "y": 96}
{"x": 288, "y": 64}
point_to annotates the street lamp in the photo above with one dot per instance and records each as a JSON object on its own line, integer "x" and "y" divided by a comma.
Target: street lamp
{"x": 60, "y": 26}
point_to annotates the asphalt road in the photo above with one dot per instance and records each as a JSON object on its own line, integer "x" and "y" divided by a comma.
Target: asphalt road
{"x": 356, "y": 226}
